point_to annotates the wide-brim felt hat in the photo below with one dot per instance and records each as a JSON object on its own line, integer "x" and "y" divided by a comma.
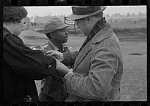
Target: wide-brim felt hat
{"x": 80, "y": 12}
{"x": 54, "y": 24}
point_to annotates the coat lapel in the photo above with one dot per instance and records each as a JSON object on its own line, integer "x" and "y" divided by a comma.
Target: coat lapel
{"x": 85, "y": 50}
{"x": 100, "y": 36}
{"x": 5, "y": 32}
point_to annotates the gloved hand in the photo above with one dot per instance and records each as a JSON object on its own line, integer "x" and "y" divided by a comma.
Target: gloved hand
{"x": 56, "y": 54}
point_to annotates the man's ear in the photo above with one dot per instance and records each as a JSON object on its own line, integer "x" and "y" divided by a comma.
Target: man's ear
{"x": 88, "y": 21}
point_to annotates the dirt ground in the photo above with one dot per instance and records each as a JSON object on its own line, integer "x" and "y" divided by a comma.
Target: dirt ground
{"x": 134, "y": 80}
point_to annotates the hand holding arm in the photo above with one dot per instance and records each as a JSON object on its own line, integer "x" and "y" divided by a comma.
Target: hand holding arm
{"x": 56, "y": 54}
{"x": 61, "y": 68}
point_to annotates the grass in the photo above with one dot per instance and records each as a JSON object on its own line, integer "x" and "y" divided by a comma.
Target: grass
{"x": 134, "y": 50}
{"x": 129, "y": 24}
{"x": 134, "y": 80}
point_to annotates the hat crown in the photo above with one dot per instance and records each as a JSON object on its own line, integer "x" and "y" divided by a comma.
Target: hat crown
{"x": 85, "y": 10}
{"x": 80, "y": 12}
{"x": 53, "y": 24}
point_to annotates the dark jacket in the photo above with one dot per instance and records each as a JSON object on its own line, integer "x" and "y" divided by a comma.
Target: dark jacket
{"x": 21, "y": 66}
{"x": 52, "y": 87}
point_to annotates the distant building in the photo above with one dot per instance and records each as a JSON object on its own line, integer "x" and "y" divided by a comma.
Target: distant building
{"x": 69, "y": 22}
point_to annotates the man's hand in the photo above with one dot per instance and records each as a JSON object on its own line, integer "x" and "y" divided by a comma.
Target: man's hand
{"x": 55, "y": 54}
{"x": 61, "y": 68}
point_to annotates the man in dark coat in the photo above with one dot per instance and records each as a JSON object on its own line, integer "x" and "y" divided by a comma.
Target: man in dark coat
{"x": 21, "y": 65}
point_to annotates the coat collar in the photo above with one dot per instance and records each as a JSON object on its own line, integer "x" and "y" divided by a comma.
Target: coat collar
{"x": 97, "y": 27}
{"x": 5, "y": 32}
{"x": 82, "y": 54}
{"x": 55, "y": 47}
{"x": 102, "y": 34}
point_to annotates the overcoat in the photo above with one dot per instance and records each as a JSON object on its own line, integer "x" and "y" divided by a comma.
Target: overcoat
{"x": 21, "y": 66}
{"x": 98, "y": 69}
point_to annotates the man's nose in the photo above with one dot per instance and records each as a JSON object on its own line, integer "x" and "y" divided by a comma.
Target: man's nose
{"x": 66, "y": 32}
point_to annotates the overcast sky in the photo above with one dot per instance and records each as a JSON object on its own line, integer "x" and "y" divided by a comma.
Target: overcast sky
{"x": 66, "y": 10}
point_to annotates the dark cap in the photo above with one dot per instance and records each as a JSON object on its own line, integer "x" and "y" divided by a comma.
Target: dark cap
{"x": 54, "y": 24}
{"x": 11, "y": 14}
{"x": 80, "y": 12}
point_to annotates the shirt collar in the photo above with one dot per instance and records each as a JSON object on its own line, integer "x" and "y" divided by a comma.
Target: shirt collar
{"x": 55, "y": 47}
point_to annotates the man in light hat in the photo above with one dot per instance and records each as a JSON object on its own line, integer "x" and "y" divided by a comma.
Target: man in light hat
{"x": 53, "y": 88}
{"x": 98, "y": 67}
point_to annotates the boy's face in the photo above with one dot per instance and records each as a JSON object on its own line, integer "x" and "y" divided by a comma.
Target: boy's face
{"x": 61, "y": 36}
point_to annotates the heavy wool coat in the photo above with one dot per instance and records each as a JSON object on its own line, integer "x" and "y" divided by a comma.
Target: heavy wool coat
{"x": 98, "y": 69}
{"x": 21, "y": 66}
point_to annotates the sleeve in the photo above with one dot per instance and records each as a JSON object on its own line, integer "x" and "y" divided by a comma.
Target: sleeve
{"x": 69, "y": 57}
{"x": 25, "y": 61}
{"x": 98, "y": 82}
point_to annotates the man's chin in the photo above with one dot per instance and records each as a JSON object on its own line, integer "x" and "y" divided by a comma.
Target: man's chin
{"x": 65, "y": 41}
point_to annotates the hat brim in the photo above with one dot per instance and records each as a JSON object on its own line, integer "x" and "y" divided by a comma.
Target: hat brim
{"x": 61, "y": 27}
{"x": 76, "y": 17}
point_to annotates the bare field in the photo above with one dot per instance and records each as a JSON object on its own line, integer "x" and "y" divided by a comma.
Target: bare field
{"x": 130, "y": 24}
{"x": 134, "y": 49}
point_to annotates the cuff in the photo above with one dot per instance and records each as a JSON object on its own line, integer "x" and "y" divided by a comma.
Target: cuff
{"x": 71, "y": 71}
